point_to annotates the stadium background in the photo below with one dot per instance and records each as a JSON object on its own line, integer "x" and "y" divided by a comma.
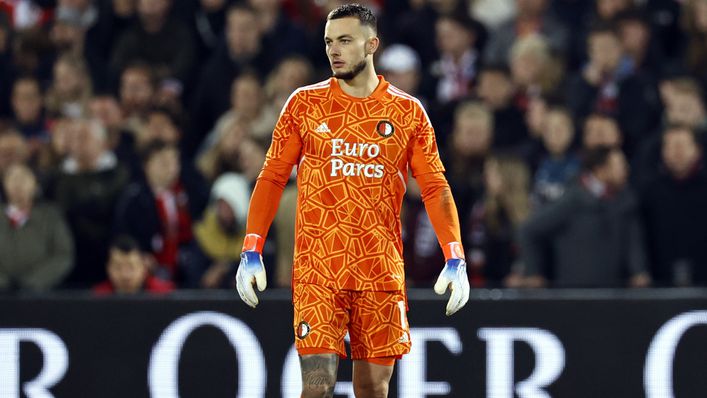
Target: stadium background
{"x": 151, "y": 118}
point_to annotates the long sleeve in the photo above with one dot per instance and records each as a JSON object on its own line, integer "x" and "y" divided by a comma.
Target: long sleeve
{"x": 428, "y": 170}
{"x": 440, "y": 207}
{"x": 283, "y": 154}
{"x": 59, "y": 259}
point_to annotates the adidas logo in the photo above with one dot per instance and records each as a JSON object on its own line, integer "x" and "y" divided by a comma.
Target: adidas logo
{"x": 323, "y": 128}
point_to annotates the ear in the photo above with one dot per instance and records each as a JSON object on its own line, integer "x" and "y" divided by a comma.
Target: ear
{"x": 372, "y": 45}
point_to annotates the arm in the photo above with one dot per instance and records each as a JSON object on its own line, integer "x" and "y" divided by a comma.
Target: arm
{"x": 427, "y": 169}
{"x": 59, "y": 260}
{"x": 283, "y": 154}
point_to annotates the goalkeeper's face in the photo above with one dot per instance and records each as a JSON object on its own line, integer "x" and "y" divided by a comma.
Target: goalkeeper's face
{"x": 349, "y": 47}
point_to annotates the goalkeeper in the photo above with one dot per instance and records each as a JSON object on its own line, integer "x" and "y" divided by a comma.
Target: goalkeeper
{"x": 353, "y": 138}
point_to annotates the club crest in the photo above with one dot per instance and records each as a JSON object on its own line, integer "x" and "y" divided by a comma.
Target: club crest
{"x": 385, "y": 128}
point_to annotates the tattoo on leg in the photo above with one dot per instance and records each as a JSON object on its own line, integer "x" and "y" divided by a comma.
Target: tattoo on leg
{"x": 319, "y": 373}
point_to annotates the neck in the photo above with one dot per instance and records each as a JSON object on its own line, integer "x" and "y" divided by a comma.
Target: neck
{"x": 362, "y": 85}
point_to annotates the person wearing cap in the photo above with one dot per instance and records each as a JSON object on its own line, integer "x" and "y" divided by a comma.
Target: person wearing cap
{"x": 400, "y": 64}
{"x": 211, "y": 258}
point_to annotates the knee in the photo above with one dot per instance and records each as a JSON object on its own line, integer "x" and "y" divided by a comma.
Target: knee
{"x": 371, "y": 389}
{"x": 325, "y": 389}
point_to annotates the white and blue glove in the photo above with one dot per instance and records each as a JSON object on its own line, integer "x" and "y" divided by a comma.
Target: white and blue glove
{"x": 250, "y": 270}
{"x": 454, "y": 275}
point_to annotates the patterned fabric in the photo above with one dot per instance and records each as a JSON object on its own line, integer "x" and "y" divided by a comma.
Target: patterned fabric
{"x": 352, "y": 156}
{"x": 376, "y": 322}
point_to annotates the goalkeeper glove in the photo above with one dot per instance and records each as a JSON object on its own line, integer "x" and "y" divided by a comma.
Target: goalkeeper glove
{"x": 454, "y": 275}
{"x": 250, "y": 270}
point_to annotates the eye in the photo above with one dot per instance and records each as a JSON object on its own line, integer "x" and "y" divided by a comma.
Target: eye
{"x": 345, "y": 41}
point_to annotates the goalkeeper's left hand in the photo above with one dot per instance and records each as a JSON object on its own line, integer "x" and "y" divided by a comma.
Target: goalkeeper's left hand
{"x": 250, "y": 270}
{"x": 454, "y": 275}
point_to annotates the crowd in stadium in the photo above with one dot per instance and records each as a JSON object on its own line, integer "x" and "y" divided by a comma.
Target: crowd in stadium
{"x": 132, "y": 131}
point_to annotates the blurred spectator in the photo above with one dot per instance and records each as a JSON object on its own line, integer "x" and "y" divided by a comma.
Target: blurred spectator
{"x": 492, "y": 13}
{"x": 87, "y": 188}
{"x": 242, "y": 51}
{"x": 492, "y": 251}
{"x": 223, "y": 155}
{"x": 70, "y": 90}
{"x": 636, "y": 35}
{"x": 417, "y": 28}
{"x": 293, "y": 72}
{"x": 13, "y": 149}
{"x": 534, "y": 70}
{"x": 532, "y": 17}
{"x": 598, "y": 218}
{"x": 138, "y": 87}
{"x": 28, "y": 110}
{"x": 86, "y": 29}
{"x": 156, "y": 211}
{"x": 164, "y": 125}
{"x": 609, "y": 85}
{"x": 251, "y": 159}
{"x": 469, "y": 146}
{"x": 401, "y": 67}
{"x": 455, "y": 70}
{"x": 121, "y": 141}
{"x": 128, "y": 272}
{"x": 683, "y": 105}
{"x": 675, "y": 213}
{"x": 162, "y": 41}
{"x": 212, "y": 260}
{"x": 599, "y": 12}
{"x": 36, "y": 249}
{"x": 496, "y": 91}
{"x": 281, "y": 35}
{"x": 601, "y": 130}
{"x": 248, "y": 103}
{"x": 207, "y": 19}
{"x": 561, "y": 165}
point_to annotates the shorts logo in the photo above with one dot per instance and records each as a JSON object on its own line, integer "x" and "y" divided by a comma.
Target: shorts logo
{"x": 303, "y": 330}
{"x": 385, "y": 129}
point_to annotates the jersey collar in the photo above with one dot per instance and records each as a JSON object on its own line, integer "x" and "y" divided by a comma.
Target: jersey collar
{"x": 377, "y": 94}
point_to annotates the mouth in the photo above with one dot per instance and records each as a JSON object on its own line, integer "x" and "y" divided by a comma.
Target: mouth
{"x": 337, "y": 64}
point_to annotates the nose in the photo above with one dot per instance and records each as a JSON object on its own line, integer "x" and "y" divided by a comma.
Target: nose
{"x": 334, "y": 50}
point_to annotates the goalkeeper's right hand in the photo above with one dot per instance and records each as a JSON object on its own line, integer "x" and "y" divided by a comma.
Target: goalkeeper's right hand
{"x": 250, "y": 270}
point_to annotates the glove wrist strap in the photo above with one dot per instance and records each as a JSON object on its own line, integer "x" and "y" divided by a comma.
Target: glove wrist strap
{"x": 253, "y": 242}
{"x": 453, "y": 250}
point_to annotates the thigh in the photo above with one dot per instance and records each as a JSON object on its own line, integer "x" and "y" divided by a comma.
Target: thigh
{"x": 320, "y": 319}
{"x": 379, "y": 326}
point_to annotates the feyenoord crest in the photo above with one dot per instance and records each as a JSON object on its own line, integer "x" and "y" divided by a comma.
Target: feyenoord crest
{"x": 303, "y": 330}
{"x": 385, "y": 128}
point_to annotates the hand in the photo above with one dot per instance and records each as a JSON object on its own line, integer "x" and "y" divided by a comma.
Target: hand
{"x": 454, "y": 275}
{"x": 251, "y": 269}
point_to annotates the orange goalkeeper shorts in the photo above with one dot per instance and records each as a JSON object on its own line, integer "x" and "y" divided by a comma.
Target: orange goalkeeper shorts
{"x": 376, "y": 322}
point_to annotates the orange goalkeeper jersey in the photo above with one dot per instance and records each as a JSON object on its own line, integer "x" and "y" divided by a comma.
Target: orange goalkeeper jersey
{"x": 352, "y": 157}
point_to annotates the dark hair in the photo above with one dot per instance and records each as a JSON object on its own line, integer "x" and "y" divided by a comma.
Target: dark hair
{"x": 603, "y": 28}
{"x": 363, "y": 14}
{"x": 597, "y": 157}
{"x": 124, "y": 243}
{"x": 496, "y": 68}
{"x": 153, "y": 147}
